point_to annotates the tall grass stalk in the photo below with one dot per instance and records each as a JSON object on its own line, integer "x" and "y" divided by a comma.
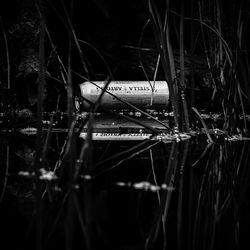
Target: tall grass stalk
{"x": 161, "y": 216}
{"x": 39, "y": 139}
{"x": 99, "y": 55}
{"x": 152, "y": 85}
{"x": 44, "y": 153}
{"x": 170, "y": 180}
{"x": 154, "y": 175}
{"x": 166, "y": 55}
{"x": 140, "y": 58}
{"x": 70, "y": 107}
{"x": 218, "y": 195}
{"x": 243, "y": 60}
{"x": 161, "y": 33}
{"x": 192, "y": 49}
{"x": 63, "y": 71}
{"x": 182, "y": 69}
{"x": 71, "y": 29}
{"x": 224, "y": 52}
{"x": 180, "y": 196}
{"x": 220, "y": 61}
{"x": 7, "y": 53}
{"x": 203, "y": 124}
{"x": 201, "y": 198}
{"x": 85, "y": 226}
{"x": 7, "y": 164}
{"x": 206, "y": 47}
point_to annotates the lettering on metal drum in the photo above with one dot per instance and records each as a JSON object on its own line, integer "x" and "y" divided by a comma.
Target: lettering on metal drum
{"x": 142, "y": 94}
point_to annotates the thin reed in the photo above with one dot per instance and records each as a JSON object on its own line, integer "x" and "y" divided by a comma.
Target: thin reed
{"x": 198, "y": 185}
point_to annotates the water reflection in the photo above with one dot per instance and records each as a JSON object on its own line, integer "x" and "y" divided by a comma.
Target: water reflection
{"x": 126, "y": 195}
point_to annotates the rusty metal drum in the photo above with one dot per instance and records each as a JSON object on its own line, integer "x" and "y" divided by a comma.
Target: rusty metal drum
{"x": 142, "y": 94}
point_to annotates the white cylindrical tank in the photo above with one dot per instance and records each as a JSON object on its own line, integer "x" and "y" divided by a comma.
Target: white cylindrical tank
{"x": 143, "y": 94}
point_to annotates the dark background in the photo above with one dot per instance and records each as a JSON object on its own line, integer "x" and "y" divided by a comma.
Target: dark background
{"x": 113, "y": 28}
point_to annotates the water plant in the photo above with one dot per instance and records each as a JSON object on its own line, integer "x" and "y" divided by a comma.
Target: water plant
{"x": 195, "y": 184}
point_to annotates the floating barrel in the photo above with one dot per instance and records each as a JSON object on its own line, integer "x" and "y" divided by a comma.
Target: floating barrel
{"x": 142, "y": 94}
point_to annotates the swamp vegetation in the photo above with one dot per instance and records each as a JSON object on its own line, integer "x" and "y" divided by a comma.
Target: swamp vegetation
{"x": 186, "y": 186}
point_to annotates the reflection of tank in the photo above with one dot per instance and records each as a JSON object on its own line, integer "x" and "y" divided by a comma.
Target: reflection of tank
{"x": 142, "y": 94}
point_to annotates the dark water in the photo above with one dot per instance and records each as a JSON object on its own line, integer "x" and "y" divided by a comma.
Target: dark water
{"x": 135, "y": 195}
